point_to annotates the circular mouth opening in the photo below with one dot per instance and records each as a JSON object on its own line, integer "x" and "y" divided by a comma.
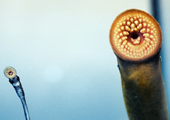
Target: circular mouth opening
{"x": 135, "y": 38}
{"x": 134, "y": 35}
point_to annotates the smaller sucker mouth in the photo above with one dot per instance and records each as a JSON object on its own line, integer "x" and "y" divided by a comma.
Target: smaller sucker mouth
{"x": 10, "y": 72}
{"x": 135, "y": 35}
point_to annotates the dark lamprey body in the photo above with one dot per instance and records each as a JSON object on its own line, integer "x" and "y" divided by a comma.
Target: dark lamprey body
{"x": 143, "y": 89}
{"x": 136, "y": 39}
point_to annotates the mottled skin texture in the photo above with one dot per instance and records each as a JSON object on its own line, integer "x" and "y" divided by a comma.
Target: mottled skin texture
{"x": 143, "y": 89}
{"x": 136, "y": 39}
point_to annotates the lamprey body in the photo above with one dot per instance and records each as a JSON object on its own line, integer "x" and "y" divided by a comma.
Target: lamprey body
{"x": 11, "y": 74}
{"x": 136, "y": 39}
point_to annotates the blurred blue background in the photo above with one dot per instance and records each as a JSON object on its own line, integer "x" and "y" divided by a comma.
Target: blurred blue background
{"x": 62, "y": 54}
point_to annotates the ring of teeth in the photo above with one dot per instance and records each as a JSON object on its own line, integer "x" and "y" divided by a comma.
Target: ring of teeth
{"x": 135, "y": 36}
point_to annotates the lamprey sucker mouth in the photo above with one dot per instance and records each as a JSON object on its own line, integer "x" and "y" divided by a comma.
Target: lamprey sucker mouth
{"x": 136, "y": 39}
{"x": 135, "y": 35}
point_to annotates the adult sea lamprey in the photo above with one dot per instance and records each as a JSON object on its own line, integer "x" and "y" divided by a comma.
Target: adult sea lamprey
{"x": 136, "y": 39}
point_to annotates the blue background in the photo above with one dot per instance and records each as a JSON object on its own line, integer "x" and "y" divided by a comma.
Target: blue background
{"x": 62, "y": 54}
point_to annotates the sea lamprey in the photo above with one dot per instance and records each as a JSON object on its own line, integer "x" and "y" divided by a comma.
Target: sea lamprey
{"x": 136, "y": 39}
